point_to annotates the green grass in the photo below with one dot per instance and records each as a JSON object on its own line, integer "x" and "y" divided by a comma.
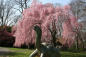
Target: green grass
{"x": 70, "y": 54}
{"x": 18, "y": 52}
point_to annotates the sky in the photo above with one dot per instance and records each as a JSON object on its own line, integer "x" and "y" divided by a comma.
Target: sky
{"x": 62, "y": 2}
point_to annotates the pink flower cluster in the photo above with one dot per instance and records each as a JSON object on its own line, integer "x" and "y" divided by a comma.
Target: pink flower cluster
{"x": 43, "y": 15}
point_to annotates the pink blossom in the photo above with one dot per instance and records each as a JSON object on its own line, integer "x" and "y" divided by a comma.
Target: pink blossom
{"x": 44, "y": 15}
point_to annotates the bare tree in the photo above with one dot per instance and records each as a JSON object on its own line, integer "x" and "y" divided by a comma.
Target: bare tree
{"x": 78, "y": 8}
{"x": 6, "y": 12}
{"x": 22, "y": 4}
{"x": 16, "y": 18}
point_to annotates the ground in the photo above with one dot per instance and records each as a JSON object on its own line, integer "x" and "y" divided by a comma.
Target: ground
{"x": 18, "y": 52}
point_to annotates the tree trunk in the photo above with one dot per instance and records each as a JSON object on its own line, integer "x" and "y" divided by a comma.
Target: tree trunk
{"x": 81, "y": 41}
{"x": 53, "y": 41}
{"x": 77, "y": 48}
{"x": 38, "y": 38}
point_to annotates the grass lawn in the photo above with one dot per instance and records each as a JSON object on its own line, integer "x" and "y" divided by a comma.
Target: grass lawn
{"x": 18, "y": 52}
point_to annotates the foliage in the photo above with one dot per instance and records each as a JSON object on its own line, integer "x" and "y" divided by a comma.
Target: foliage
{"x": 7, "y": 41}
{"x": 6, "y": 38}
{"x": 9, "y": 29}
{"x": 43, "y": 15}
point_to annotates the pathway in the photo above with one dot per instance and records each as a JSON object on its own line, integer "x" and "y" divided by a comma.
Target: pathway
{"x": 4, "y": 51}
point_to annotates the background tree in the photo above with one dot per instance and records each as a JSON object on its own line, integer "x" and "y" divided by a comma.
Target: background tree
{"x": 21, "y": 4}
{"x": 46, "y": 15}
{"x": 78, "y": 8}
{"x": 6, "y": 13}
